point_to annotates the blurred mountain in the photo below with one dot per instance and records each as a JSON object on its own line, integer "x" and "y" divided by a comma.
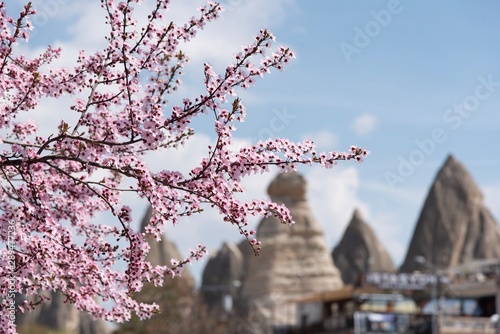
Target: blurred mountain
{"x": 161, "y": 252}
{"x": 454, "y": 225}
{"x": 176, "y": 297}
{"x": 294, "y": 260}
{"x": 360, "y": 251}
{"x": 56, "y": 316}
{"x": 222, "y": 277}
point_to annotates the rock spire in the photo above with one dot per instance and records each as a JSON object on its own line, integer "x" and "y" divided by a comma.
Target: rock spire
{"x": 360, "y": 251}
{"x": 222, "y": 277}
{"x": 454, "y": 225}
{"x": 294, "y": 261}
{"x": 161, "y": 252}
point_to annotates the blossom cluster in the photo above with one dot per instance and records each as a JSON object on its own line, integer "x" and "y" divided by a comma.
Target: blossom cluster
{"x": 56, "y": 187}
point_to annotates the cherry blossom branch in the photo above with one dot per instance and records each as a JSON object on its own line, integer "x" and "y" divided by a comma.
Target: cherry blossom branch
{"x": 63, "y": 191}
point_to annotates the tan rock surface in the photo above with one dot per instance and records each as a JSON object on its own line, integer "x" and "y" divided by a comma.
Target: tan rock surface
{"x": 360, "y": 251}
{"x": 222, "y": 276}
{"x": 161, "y": 252}
{"x": 57, "y": 315}
{"x": 294, "y": 260}
{"x": 454, "y": 225}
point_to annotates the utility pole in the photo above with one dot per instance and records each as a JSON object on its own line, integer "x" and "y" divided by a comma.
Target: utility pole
{"x": 498, "y": 299}
{"x": 434, "y": 290}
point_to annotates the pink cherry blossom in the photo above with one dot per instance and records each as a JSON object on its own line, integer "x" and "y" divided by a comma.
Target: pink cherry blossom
{"x": 55, "y": 188}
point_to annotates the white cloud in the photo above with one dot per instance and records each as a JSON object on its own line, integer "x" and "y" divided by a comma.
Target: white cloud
{"x": 364, "y": 124}
{"x": 388, "y": 230}
{"x": 333, "y": 196}
{"x": 240, "y": 21}
{"x": 220, "y": 39}
{"x": 89, "y": 29}
{"x": 324, "y": 140}
{"x": 413, "y": 195}
{"x": 492, "y": 199}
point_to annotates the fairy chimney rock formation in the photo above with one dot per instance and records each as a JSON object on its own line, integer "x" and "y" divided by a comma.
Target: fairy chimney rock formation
{"x": 294, "y": 260}
{"x": 454, "y": 225}
{"x": 58, "y": 315}
{"x": 161, "y": 252}
{"x": 222, "y": 276}
{"x": 360, "y": 251}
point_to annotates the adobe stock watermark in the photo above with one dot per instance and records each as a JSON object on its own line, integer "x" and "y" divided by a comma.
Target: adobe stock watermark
{"x": 45, "y": 10}
{"x": 364, "y": 35}
{"x": 278, "y": 122}
{"x": 453, "y": 117}
{"x": 9, "y": 310}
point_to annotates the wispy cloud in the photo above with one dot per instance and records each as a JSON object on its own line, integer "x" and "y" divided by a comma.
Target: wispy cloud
{"x": 492, "y": 199}
{"x": 333, "y": 196}
{"x": 364, "y": 124}
{"x": 324, "y": 140}
{"x": 388, "y": 230}
{"x": 240, "y": 21}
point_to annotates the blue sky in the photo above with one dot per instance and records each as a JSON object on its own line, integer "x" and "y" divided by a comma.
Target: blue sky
{"x": 412, "y": 71}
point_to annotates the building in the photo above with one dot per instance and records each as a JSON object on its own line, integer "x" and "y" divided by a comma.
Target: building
{"x": 468, "y": 302}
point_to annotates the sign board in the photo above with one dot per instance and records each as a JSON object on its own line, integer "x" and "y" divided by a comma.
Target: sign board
{"x": 403, "y": 281}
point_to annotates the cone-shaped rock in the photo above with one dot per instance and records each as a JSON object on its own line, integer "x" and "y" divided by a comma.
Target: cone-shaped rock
{"x": 222, "y": 276}
{"x": 454, "y": 226}
{"x": 294, "y": 260}
{"x": 58, "y": 315}
{"x": 175, "y": 297}
{"x": 161, "y": 252}
{"x": 359, "y": 251}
